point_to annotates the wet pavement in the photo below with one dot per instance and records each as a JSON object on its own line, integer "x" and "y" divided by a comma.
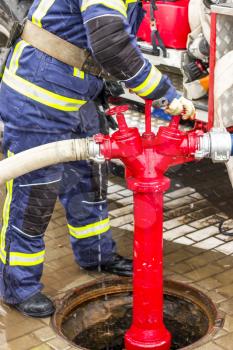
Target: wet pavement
{"x": 198, "y": 250}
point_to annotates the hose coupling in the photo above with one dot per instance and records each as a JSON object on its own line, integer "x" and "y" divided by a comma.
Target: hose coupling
{"x": 216, "y": 145}
{"x": 95, "y": 152}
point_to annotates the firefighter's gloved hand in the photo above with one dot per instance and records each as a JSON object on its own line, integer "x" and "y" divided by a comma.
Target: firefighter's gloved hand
{"x": 183, "y": 106}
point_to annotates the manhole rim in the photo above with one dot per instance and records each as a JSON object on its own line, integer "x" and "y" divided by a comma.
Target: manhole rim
{"x": 61, "y": 304}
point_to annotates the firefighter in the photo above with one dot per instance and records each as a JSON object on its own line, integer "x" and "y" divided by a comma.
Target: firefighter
{"x": 45, "y": 99}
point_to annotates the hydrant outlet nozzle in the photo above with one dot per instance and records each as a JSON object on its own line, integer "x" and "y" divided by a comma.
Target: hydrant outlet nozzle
{"x": 95, "y": 151}
{"x": 216, "y": 145}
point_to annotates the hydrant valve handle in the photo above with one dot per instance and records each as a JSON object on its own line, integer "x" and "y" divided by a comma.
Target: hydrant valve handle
{"x": 118, "y": 109}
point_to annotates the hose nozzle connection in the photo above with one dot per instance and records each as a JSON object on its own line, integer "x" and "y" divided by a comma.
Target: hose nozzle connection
{"x": 216, "y": 145}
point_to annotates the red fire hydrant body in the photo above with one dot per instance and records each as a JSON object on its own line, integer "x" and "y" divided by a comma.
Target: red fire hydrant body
{"x": 146, "y": 158}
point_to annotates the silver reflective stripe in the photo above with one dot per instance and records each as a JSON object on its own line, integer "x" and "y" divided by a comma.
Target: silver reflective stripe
{"x": 40, "y": 183}
{"x": 41, "y": 11}
{"x": 149, "y": 84}
{"x": 41, "y": 95}
{"x": 25, "y": 234}
{"x": 117, "y": 5}
{"x": 93, "y": 203}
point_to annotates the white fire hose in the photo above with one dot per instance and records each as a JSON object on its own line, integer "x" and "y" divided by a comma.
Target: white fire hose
{"x": 46, "y": 155}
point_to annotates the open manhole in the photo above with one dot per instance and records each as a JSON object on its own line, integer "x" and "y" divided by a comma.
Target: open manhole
{"x": 97, "y": 315}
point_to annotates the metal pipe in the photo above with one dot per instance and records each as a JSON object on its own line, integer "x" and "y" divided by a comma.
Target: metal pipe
{"x": 212, "y": 71}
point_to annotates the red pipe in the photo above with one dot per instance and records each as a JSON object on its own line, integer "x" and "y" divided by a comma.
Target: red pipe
{"x": 212, "y": 70}
{"x": 148, "y": 330}
{"x": 148, "y": 107}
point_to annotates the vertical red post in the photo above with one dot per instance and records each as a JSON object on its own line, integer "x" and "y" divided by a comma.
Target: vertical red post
{"x": 148, "y": 330}
{"x": 212, "y": 69}
{"x": 148, "y": 106}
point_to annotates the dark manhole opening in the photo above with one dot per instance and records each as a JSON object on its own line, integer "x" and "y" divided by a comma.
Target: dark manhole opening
{"x": 96, "y": 316}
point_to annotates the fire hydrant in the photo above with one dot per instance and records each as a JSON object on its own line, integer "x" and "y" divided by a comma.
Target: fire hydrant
{"x": 146, "y": 159}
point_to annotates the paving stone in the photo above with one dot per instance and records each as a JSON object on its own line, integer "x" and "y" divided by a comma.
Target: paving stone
{"x": 190, "y": 218}
{"x": 127, "y": 227}
{"x": 126, "y": 219}
{"x": 200, "y": 235}
{"x": 227, "y": 291}
{"x": 225, "y": 277}
{"x": 125, "y": 193}
{"x": 122, "y": 211}
{"x": 206, "y": 221}
{"x": 184, "y": 240}
{"x": 177, "y": 232}
{"x": 196, "y": 195}
{"x": 45, "y": 333}
{"x": 24, "y": 343}
{"x": 227, "y": 307}
{"x": 114, "y": 196}
{"x": 181, "y": 267}
{"x": 186, "y": 209}
{"x": 42, "y": 347}
{"x": 228, "y": 323}
{"x": 209, "y": 346}
{"x": 220, "y": 333}
{"x": 226, "y": 248}
{"x": 216, "y": 297}
{"x": 226, "y": 341}
{"x": 225, "y": 261}
{"x": 126, "y": 200}
{"x": 176, "y": 256}
{"x": 224, "y": 238}
{"x": 181, "y": 192}
{"x": 202, "y": 259}
{"x": 179, "y": 202}
{"x": 58, "y": 344}
{"x": 209, "y": 243}
{"x": 115, "y": 188}
{"x": 23, "y": 328}
{"x": 203, "y": 272}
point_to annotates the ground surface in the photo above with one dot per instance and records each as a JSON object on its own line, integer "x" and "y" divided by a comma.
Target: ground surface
{"x": 198, "y": 213}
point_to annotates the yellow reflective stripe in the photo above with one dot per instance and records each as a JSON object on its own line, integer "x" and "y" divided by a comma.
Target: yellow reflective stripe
{"x": 41, "y": 11}
{"x": 130, "y": 2}
{"x": 24, "y": 259}
{"x": 14, "y": 64}
{"x": 150, "y": 83}
{"x": 2, "y": 257}
{"x": 117, "y": 5}
{"x": 40, "y": 254}
{"x": 41, "y": 95}
{"x": 78, "y": 73}
{"x": 15, "y": 258}
{"x": 6, "y": 212}
{"x": 90, "y": 230}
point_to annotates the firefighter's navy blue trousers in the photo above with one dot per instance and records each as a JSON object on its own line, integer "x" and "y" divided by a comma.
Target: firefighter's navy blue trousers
{"x": 81, "y": 186}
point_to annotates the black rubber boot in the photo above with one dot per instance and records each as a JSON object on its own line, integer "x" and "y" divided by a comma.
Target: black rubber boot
{"x": 39, "y": 305}
{"x": 118, "y": 265}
